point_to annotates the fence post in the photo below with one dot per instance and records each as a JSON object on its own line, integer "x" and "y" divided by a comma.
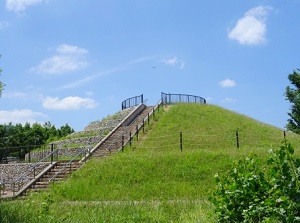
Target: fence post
{"x": 143, "y": 125}
{"x": 29, "y": 156}
{"x": 130, "y": 139}
{"x": 51, "y": 153}
{"x": 284, "y": 135}
{"x": 148, "y": 118}
{"x": 181, "y": 141}
{"x": 237, "y": 139}
{"x": 123, "y": 142}
{"x": 137, "y": 133}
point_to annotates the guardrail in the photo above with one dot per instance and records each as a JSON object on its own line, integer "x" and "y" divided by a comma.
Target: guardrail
{"x": 134, "y": 101}
{"x": 30, "y": 173}
{"x": 181, "y": 98}
{"x": 69, "y": 164}
{"x": 126, "y": 136}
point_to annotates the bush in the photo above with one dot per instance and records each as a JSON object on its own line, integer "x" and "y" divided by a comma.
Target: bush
{"x": 250, "y": 192}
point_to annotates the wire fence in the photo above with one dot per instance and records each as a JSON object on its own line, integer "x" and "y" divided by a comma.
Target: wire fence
{"x": 233, "y": 139}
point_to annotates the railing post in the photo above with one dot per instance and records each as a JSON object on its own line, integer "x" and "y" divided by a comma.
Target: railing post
{"x": 29, "y": 156}
{"x": 123, "y": 143}
{"x": 51, "y": 153}
{"x": 237, "y": 139}
{"x": 143, "y": 125}
{"x": 130, "y": 139}
{"x": 181, "y": 141}
{"x": 148, "y": 118}
{"x": 137, "y": 133}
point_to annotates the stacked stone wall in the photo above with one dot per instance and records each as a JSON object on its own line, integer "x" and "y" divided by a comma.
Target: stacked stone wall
{"x": 22, "y": 172}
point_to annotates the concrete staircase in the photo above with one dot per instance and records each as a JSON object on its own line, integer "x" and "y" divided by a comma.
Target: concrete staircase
{"x": 121, "y": 136}
{"x": 61, "y": 169}
{"x": 109, "y": 145}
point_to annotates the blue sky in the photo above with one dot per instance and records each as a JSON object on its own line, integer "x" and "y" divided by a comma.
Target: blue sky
{"x": 75, "y": 61}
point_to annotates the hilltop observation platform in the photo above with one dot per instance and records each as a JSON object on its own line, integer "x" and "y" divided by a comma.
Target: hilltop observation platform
{"x": 165, "y": 99}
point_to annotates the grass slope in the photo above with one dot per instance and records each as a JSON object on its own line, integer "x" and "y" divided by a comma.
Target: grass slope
{"x": 154, "y": 181}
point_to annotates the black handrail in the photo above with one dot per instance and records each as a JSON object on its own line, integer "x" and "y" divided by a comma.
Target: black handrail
{"x": 134, "y": 101}
{"x": 84, "y": 150}
{"x": 181, "y": 98}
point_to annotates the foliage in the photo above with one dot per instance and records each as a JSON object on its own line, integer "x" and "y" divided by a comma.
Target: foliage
{"x": 16, "y": 140}
{"x": 293, "y": 95}
{"x": 155, "y": 181}
{"x": 250, "y": 193}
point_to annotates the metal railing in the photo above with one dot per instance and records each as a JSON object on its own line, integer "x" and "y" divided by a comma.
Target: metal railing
{"x": 134, "y": 101}
{"x": 84, "y": 151}
{"x": 30, "y": 173}
{"x": 181, "y": 98}
{"x": 22, "y": 154}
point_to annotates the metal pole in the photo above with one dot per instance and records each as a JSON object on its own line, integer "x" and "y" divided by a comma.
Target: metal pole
{"x": 51, "y": 153}
{"x": 237, "y": 139}
{"x": 123, "y": 143}
{"x": 181, "y": 141}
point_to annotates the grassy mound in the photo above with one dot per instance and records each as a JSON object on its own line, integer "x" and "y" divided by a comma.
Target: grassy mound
{"x": 161, "y": 177}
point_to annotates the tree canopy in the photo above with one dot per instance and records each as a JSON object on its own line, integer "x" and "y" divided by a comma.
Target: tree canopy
{"x": 293, "y": 95}
{"x": 17, "y": 136}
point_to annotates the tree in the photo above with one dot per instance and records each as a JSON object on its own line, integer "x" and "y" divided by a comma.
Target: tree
{"x": 293, "y": 95}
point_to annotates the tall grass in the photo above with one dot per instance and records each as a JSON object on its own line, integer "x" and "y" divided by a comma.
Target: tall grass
{"x": 153, "y": 180}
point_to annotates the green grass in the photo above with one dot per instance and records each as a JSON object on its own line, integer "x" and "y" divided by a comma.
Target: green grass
{"x": 154, "y": 181}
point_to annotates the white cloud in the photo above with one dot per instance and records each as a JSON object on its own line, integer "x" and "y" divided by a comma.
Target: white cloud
{"x": 228, "y": 100}
{"x": 227, "y": 83}
{"x": 68, "y": 58}
{"x": 251, "y": 28}
{"x": 174, "y": 61}
{"x": 20, "y": 5}
{"x": 68, "y": 103}
{"x": 20, "y": 116}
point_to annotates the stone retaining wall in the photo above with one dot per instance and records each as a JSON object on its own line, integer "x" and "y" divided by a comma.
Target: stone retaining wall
{"x": 61, "y": 153}
{"x": 13, "y": 171}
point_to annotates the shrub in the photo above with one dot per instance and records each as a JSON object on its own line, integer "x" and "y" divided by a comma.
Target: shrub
{"x": 250, "y": 192}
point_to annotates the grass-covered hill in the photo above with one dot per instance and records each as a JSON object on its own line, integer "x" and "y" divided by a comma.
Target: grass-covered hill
{"x": 161, "y": 177}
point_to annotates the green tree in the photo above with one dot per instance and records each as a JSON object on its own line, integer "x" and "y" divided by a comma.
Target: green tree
{"x": 293, "y": 95}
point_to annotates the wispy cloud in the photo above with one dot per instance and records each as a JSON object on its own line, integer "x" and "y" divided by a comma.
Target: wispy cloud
{"x": 228, "y": 100}
{"x": 90, "y": 78}
{"x": 20, "y": 5}
{"x": 251, "y": 29}
{"x": 20, "y": 116}
{"x": 174, "y": 61}
{"x": 227, "y": 83}
{"x": 140, "y": 60}
{"x": 67, "y": 58}
{"x": 68, "y": 103}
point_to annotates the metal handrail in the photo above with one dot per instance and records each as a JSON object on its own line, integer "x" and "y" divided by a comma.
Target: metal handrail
{"x": 181, "y": 98}
{"x": 26, "y": 173}
{"x": 133, "y": 101}
{"x": 69, "y": 163}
